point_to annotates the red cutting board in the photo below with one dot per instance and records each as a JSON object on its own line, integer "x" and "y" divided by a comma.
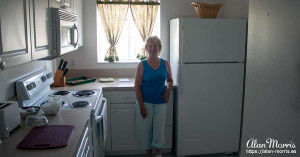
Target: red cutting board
{"x": 51, "y": 136}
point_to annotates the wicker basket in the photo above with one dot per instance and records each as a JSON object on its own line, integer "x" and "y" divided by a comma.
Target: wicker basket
{"x": 207, "y": 10}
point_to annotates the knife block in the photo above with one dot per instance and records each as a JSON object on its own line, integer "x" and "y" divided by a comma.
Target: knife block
{"x": 59, "y": 80}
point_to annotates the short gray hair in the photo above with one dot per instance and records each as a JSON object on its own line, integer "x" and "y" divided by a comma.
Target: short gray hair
{"x": 153, "y": 39}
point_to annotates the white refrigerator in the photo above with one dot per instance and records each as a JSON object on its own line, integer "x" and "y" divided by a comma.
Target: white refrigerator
{"x": 207, "y": 59}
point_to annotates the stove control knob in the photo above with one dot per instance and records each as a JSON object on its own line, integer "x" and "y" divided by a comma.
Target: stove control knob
{"x": 44, "y": 78}
{"x": 49, "y": 75}
{"x": 31, "y": 86}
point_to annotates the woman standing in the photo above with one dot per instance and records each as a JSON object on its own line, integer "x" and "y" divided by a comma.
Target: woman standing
{"x": 152, "y": 95}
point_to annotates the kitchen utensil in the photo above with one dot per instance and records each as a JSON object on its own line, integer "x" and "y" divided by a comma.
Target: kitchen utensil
{"x": 10, "y": 117}
{"x": 64, "y": 65}
{"x": 36, "y": 120}
{"x": 24, "y": 112}
{"x": 65, "y": 72}
{"x": 80, "y": 80}
{"x": 60, "y": 63}
{"x": 50, "y": 136}
{"x": 53, "y": 105}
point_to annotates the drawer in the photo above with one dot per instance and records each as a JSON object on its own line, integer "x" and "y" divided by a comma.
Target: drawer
{"x": 122, "y": 97}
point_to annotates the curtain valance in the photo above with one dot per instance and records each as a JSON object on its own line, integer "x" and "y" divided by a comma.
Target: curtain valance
{"x": 129, "y": 2}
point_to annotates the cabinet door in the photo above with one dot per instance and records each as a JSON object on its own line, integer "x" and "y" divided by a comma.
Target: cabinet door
{"x": 67, "y": 5}
{"x": 14, "y": 32}
{"x": 55, "y": 3}
{"x": 41, "y": 30}
{"x": 123, "y": 127}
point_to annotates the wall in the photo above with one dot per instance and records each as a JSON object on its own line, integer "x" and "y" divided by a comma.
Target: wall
{"x": 272, "y": 102}
{"x": 9, "y": 76}
{"x": 86, "y": 57}
{"x": 236, "y": 8}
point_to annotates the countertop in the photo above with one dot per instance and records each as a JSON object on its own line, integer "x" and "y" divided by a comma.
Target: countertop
{"x": 116, "y": 85}
{"x": 77, "y": 118}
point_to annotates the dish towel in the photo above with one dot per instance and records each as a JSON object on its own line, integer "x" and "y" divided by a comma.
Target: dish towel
{"x": 103, "y": 80}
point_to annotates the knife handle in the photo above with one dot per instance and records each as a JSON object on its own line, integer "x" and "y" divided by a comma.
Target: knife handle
{"x": 64, "y": 66}
{"x": 65, "y": 72}
{"x": 60, "y": 63}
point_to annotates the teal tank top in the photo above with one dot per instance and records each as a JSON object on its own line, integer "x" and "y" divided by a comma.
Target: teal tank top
{"x": 153, "y": 83}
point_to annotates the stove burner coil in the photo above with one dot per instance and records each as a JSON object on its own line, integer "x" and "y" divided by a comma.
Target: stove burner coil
{"x": 84, "y": 93}
{"x": 80, "y": 104}
{"x": 62, "y": 93}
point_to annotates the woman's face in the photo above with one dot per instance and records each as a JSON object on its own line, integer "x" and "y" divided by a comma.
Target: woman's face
{"x": 153, "y": 48}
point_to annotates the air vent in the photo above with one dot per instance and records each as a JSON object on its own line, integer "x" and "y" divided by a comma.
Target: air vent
{"x": 67, "y": 16}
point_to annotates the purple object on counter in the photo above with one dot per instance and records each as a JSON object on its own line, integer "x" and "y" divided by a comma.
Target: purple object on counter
{"x": 51, "y": 136}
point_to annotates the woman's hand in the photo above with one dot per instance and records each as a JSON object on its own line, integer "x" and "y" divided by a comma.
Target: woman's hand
{"x": 143, "y": 111}
{"x": 166, "y": 95}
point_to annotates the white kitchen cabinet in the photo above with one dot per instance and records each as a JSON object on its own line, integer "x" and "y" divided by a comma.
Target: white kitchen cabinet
{"x": 41, "y": 29}
{"x": 122, "y": 135}
{"x": 25, "y": 31}
{"x": 15, "y": 42}
{"x": 67, "y": 5}
{"x": 123, "y": 127}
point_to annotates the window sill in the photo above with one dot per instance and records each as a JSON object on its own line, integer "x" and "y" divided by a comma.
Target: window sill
{"x": 120, "y": 62}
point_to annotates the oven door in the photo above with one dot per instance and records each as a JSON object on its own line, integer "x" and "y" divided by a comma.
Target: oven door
{"x": 68, "y": 37}
{"x": 99, "y": 127}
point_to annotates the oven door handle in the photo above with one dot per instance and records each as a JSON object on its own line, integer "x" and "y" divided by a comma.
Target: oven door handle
{"x": 99, "y": 118}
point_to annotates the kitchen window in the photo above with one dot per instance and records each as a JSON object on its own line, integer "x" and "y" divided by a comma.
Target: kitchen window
{"x": 130, "y": 42}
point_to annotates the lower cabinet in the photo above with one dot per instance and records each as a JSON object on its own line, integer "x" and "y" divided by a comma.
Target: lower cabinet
{"x": 123, "y": 127}
{"x": 122, "y": 131}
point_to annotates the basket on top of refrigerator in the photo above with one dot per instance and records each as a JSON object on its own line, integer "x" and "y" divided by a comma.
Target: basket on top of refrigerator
{"x": 204, "y": 10}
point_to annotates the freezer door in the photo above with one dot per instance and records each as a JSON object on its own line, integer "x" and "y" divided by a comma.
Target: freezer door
{"x": 209, "y": 108}
{"x": 212, "y": 40}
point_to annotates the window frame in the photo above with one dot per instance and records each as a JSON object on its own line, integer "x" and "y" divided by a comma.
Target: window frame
{"x": 101, "y": 34}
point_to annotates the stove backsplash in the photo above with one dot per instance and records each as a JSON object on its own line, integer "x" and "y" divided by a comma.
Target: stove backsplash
{"x": 9, "y": 76}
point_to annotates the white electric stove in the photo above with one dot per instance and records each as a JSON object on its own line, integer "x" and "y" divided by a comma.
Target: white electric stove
{"x": 33, "y": 91}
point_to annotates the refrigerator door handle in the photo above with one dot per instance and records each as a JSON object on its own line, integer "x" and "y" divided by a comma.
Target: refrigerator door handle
{"x": 180, "y": 79}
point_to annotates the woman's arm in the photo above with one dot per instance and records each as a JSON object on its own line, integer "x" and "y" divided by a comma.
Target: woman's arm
{"x": 169, "y": 76}
{"x": 169, "y": 82}
{"x": 137, "y": 88}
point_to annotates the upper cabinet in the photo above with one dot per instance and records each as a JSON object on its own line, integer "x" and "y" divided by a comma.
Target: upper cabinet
{"x": 68, "y": 5}
{"x": 15, "y": 39}
{"x": 25, "y": 30}
{"x": 41, "y": 30}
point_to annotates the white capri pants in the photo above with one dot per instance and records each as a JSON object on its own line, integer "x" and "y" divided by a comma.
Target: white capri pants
{"x": 151, "y": 130}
